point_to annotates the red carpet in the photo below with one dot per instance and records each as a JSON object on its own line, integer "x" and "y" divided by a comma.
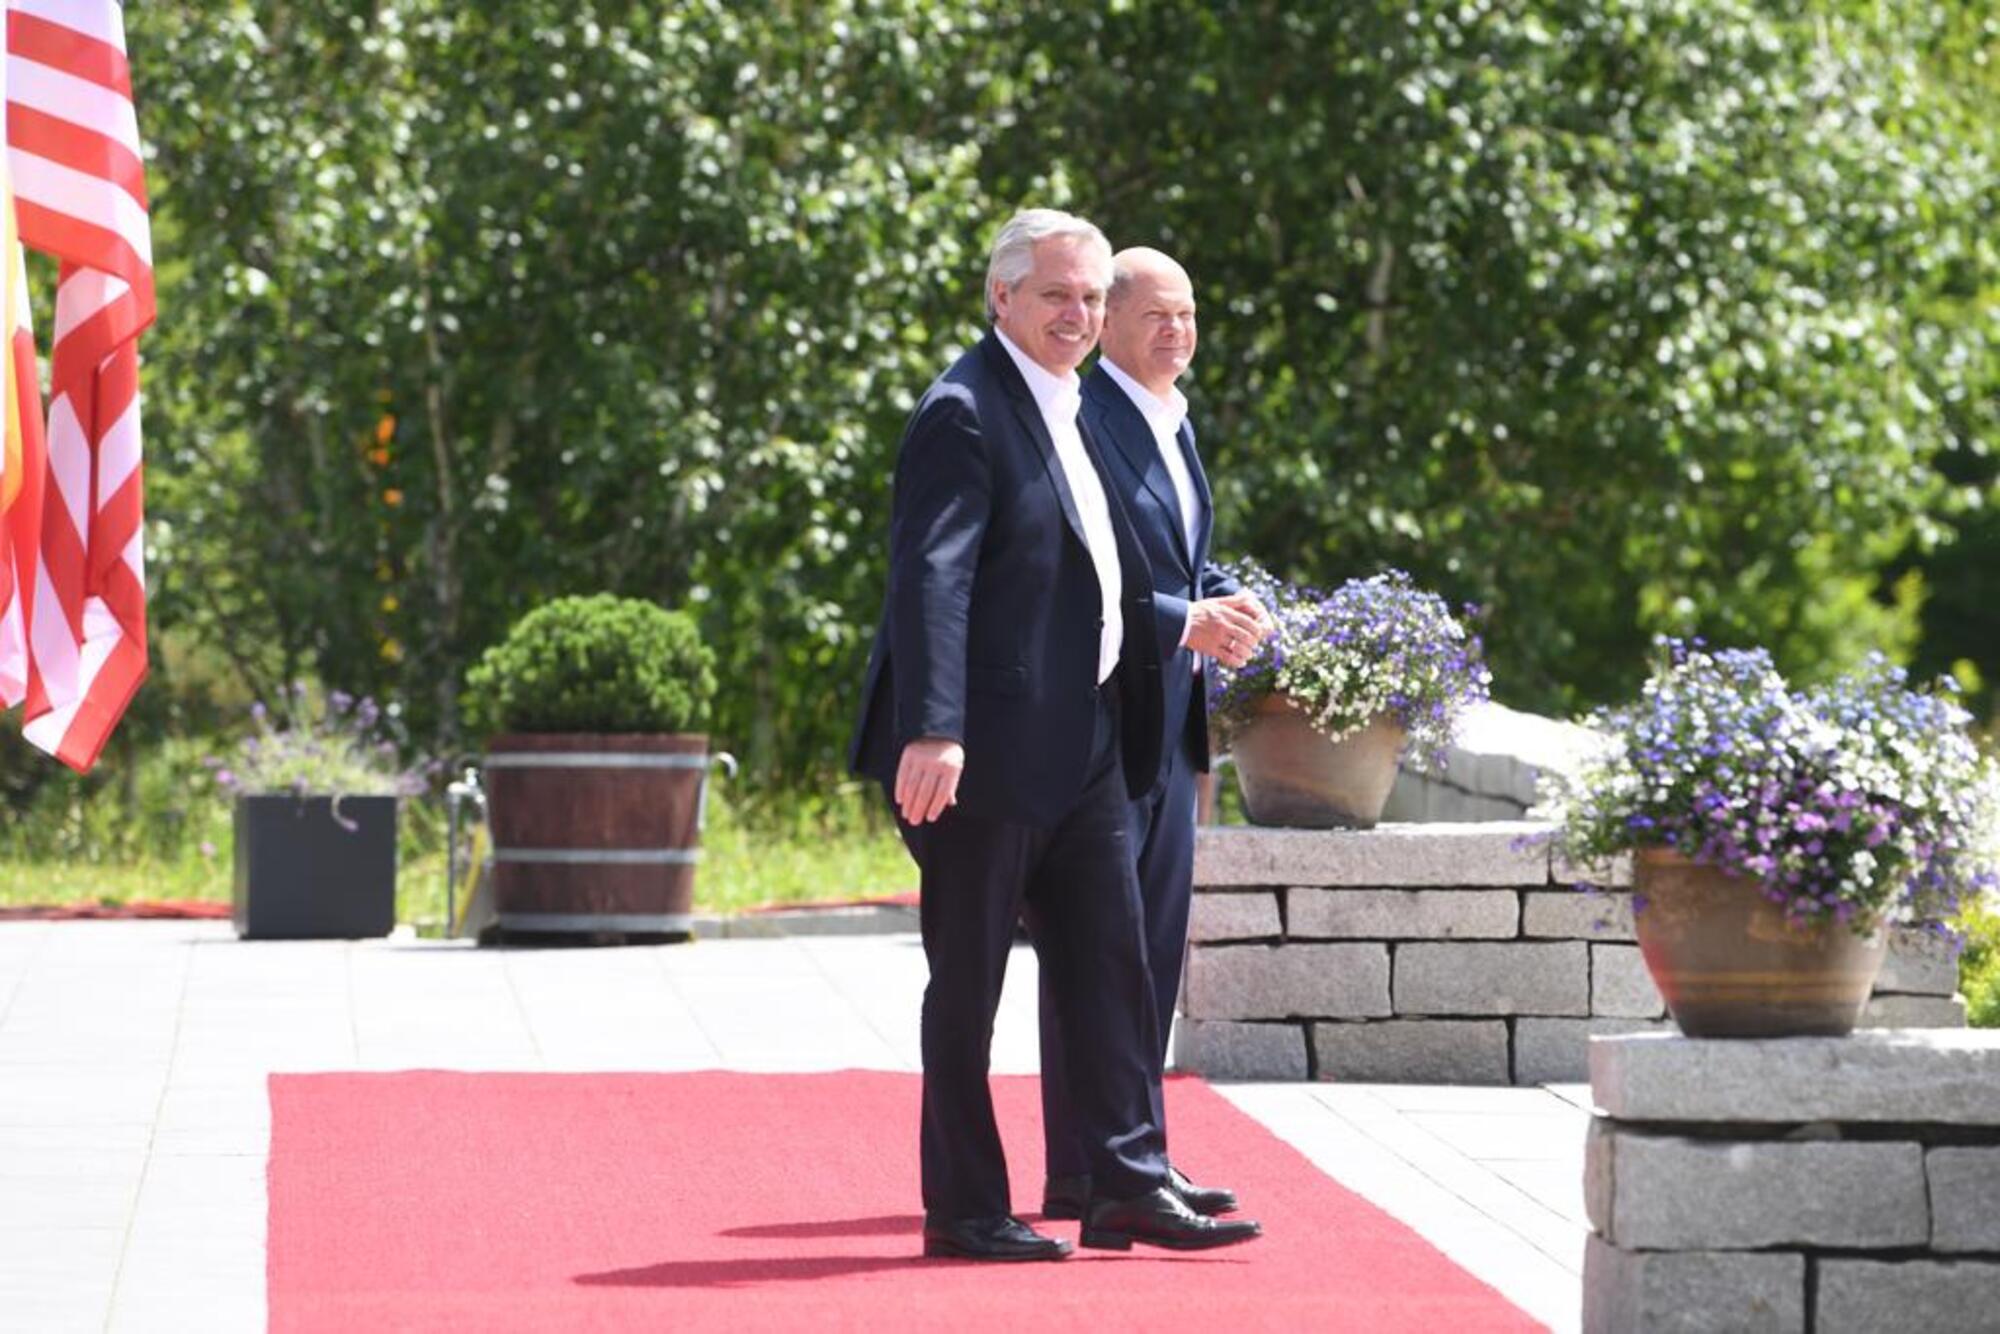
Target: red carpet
{"x": 109, "y": 912}
{"x": 908, "y": 900}
{"x": 715, "y": 1201}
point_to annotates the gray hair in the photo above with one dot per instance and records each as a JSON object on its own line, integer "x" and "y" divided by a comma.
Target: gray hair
{"x": 1013, "y": 255}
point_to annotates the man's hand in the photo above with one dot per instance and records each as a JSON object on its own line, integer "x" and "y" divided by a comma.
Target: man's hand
{"x": 1247, "y": 600}
{"x": 1227, "y": 629}
{"x": 927, "y": 778}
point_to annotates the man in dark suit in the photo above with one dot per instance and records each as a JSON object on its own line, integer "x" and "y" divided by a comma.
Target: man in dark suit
{"x": 1012, "y": 707}
{"x": 1139, "y": 420}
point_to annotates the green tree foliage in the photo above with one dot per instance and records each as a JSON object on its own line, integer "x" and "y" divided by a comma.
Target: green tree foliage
{"x": 473, "y": 305}
{"x": 1616, "y": 318}
{"x": 1628, "y": 318}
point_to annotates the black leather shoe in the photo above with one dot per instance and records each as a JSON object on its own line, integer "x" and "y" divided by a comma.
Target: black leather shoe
{"x": 1000, "y": 1238}
{"x": 1159, "y": 1218}
{"x": 1065, "y": 1197}
{"x": 1208, "y": 1200}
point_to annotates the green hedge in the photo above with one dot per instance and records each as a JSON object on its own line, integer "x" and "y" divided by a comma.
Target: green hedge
{"x": 594, "y": 664}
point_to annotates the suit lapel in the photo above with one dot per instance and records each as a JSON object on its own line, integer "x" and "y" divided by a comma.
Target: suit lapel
{"x": 1030, "y": 413}
{"x": 1132, "y": 562}
{"x": 1133, "y": 439}
{"x": 1204, "y": 519}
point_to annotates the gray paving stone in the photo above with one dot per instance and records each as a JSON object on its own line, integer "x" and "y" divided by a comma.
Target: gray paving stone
{"x": 1557, "y": 1051}
{"x": 1419, "y": 799}
{"x": 1402, "y": 914}
{"x": 1615, "y": 874}
{"x": 1218, "y": 915}
{"x": 1672, "y": 1193}
{"x": 1919, "y": 963}
{"x": 862, "y": 919}
{"x": 1218, "y": 1049}
{"x": 1913, "y": 1012}
{"x": 1947, "y": 1076}
{"x": 733, "y": 1003}
{"x": 1906, "y": 1297}
{"x": 1965, "y": 1190}
{"x": 1568, "y": 914}
{"x": 1288, "y": 981}
{"x": 1412, "y": 1051}
{"x": 1691, "y": 1292}
{"x": 1510, "y": 978}
{"x": 1620, "y": 986}
{"x": 1598, "y": 1143}
{"x": 1387, "y": 856}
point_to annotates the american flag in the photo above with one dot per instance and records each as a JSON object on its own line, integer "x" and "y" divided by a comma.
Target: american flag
{"x": 73, "y": 624}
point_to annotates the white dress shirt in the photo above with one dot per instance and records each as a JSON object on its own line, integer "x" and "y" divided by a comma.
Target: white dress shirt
{"x": 1060, "y": 400}
{"x": 1164, "y": 417}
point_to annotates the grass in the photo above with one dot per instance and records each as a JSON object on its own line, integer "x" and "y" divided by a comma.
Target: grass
{"x": 30, "y": 883}
{"x": 756, "y": 851}
{"x": 813, "y": 849}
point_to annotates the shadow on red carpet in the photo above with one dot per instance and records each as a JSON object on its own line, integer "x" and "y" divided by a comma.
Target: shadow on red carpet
{"x": 719, "y": 1201}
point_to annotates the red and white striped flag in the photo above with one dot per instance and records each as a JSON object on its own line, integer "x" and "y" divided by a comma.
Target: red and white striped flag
{"x": 24, "y": 465}
{"x": 79, "y": 194}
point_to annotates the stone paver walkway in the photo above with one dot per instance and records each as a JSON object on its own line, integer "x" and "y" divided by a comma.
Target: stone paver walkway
{"x": 134, "y": 1122}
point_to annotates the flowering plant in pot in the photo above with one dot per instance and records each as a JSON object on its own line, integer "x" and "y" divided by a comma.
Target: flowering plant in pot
{"x": 1776, "y": 830}
{"x": 316, "y": 785}
{"x": 595, "y": 767}
{"x": 1350, "y": 683}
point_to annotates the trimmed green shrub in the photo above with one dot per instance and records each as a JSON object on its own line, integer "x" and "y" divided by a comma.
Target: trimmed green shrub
{"x": 594, "y": 664}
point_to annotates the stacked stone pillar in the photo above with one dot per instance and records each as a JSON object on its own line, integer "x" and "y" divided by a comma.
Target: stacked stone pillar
{"x": 1435, "y": 953}
{"x": 1837, "y": 1185}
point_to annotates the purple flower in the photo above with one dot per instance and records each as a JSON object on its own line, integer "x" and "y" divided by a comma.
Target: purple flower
{"x": 1741, "y": 771}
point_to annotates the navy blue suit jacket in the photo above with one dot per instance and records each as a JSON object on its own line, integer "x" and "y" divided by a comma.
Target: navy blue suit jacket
{"x": 989, "y": 633}
{"x": 1180, "y": 576}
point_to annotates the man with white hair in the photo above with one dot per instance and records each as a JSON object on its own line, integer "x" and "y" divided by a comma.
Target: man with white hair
{"x": 1012, "y": 709}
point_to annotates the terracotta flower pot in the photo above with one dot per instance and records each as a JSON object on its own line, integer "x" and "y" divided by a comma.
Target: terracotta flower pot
{"x": 1292, "y": 775}
{"x": 1730, "y": 966}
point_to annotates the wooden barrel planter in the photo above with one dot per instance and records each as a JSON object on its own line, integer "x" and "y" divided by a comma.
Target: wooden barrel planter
{"x": 595, "y": 834}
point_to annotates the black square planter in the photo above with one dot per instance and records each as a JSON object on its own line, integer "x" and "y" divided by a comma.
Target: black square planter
{"x": 302, "y": 875}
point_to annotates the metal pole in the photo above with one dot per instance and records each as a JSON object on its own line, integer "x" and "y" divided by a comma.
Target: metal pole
{"x": 466, "y": 789}
{"x": 723, "y": 760}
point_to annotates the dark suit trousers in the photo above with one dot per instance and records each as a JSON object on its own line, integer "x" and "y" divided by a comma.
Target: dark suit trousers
{"x": 1075, "y": 882}
{"x": 1162, "y": 825}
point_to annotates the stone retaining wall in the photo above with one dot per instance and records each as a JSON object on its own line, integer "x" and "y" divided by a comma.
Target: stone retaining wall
{"x": 1435, "y": 953}
{"x": 1825, "y": 1184}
